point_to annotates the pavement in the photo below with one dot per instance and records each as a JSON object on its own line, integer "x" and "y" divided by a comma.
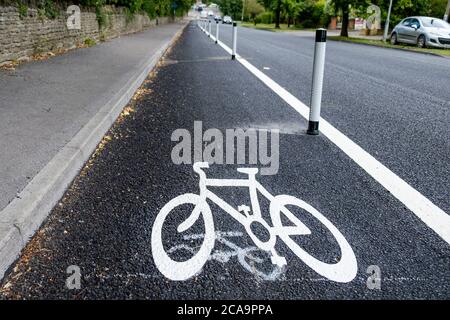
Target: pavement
{"x": 391, "y": 103}
{"x": 54, "y": 113}
{"x": 45, "y": 103}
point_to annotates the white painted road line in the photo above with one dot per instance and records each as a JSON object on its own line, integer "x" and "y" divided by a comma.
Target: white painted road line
{"x": 433, "y": 216}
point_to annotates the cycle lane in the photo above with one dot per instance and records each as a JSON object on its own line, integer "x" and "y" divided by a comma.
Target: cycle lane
{"x": 104, "y": 222}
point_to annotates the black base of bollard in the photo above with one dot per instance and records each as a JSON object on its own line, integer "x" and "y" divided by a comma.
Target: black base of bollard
{"x": 313, "y": 128}
{"x": 233, "y": 57}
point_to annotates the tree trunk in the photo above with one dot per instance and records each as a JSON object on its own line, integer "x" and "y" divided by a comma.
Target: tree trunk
{"x": 345, "y": 18}
{"x": 277, "y": 14}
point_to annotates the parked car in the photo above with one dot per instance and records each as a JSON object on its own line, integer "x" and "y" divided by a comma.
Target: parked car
{"x": 210, "y": 13}
{"x": 423, "y": 32}
{"x": 218, "y": 18}
{"x": 227, "y": 19}
{"x": 203, "y": 14}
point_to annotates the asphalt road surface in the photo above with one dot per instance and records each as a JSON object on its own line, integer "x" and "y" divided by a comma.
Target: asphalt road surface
{"x": 393, "y": 104}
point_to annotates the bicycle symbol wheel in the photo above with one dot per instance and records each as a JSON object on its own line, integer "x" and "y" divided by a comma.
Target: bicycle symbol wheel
{"x": 343, "y": 271}
{"x": 183, "y": 270}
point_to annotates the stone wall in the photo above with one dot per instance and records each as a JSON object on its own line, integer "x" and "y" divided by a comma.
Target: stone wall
{"x": 24, "y": 36}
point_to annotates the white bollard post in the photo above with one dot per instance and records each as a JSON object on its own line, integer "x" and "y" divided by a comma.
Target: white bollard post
{"x": 317, "y": 81}
{"x": 233, "y": 53}
{"x": 209, "y": 28}
{"x": 217, "y": 31}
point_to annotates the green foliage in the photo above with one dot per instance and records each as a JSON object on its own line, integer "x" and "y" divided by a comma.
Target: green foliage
{"x": 404, "y": 8}
{"x": 252, "y": 9}
{"x": 154, "y": 8}
{"x": 89, "y": 42}
{"x": 49, "y": 8}
{"x": 129, "y": 15}
{"x": 232, "y": 8}
{"x": 23, "y": 9}
{"x": 150, "y": 8}
{"x": 317, "y": 13}
{"x": 311, "y": 14}
{"x": 101, "y": 16}
{"x": 265, "y": 17}
{"x": 438, "y": 8}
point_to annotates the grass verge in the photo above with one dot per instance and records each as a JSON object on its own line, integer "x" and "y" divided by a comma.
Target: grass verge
{"x": 270, "y": 27}
{"x": 380, "y": 43}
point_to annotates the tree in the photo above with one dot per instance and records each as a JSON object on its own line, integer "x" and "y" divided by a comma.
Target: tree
{"x": 252, "y": 9}
{"x": 344, "y": 7}
{"x": 291, "y": 9}
{"x": 274, "y": 6}
{"x": 439, "y": 7}
{"x": 231, "y": 8}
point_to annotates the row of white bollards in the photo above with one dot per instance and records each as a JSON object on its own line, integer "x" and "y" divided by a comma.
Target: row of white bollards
{"x": 205, "y": 26}
{"x": 318, "y": 69}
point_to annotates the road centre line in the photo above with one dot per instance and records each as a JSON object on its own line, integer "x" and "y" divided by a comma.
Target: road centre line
{"x": 433, "y": 216}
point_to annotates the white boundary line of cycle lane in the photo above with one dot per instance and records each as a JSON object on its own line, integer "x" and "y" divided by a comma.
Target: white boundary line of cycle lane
{"x": 433, "y": 216}
{"x": 20, "y": 219}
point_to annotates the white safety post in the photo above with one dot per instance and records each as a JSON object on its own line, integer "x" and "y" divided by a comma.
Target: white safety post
{"x": 217, "y": 31}
{"x": 317, "y": 81}
{"x": 209, "y": 28}
{"x": 233, "y": 53}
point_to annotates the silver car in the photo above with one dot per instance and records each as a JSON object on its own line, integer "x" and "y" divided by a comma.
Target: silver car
{"x": 423, "y": 32}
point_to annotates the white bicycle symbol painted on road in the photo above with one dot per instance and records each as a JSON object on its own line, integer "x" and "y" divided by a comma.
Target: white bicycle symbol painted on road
{"x": 344, "y": 270}
{"x": 249, "y": 257}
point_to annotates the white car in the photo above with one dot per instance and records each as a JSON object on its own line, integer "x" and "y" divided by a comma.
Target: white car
{"x": 210, "y": 13}
{"x": 227, "y": 20}
{"x": 203, "y": 14}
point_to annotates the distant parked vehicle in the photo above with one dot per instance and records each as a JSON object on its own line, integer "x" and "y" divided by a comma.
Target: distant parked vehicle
{"x": 218, "y": 18}
{"x": 423, "y": 32}
{"x": 203, "y": 14}
{"x": 210, "y": 13}
{"x": 227, "y": 19}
